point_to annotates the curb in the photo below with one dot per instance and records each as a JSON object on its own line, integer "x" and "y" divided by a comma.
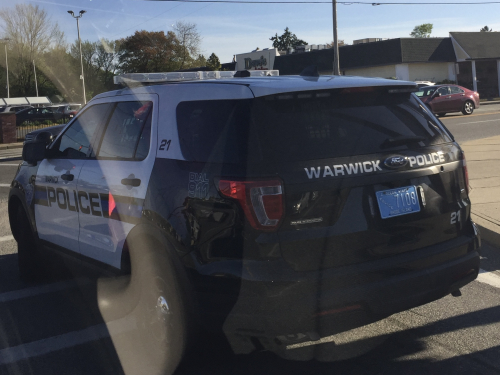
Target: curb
{"x": 488, "y": 103}
{"x": 10, "y": 146}
{"x": 490, "y": 231}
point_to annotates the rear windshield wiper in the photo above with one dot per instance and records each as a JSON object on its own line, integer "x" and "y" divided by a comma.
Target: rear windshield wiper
{"x": 402, "y": 140}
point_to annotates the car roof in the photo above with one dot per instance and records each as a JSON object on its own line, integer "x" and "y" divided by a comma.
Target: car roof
{"x": 262, "y": 86}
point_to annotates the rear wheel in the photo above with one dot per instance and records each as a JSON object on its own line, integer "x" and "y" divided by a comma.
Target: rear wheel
{"x": 468, "y": 108}
{"x": 154, "y": 297}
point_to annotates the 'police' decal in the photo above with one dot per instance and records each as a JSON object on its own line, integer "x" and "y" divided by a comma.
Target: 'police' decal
{"x": 105, "y": 205}
{"x": 370, "y": 166}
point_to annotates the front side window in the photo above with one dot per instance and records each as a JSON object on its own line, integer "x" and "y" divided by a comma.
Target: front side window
{"x": 444, "y": 90}
{"x": 76, "y": 140}
{"x": 128, "y": 130}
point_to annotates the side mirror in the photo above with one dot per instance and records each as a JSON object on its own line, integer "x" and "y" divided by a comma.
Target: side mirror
{"x": 436, "y": 94}
{"x": 35, "y": 151}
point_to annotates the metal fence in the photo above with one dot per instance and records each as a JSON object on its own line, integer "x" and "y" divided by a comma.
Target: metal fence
{"x": 28, "y": 127}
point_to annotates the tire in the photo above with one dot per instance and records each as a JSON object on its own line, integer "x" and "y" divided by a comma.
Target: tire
{"x": 154, "y": 297}
{"x": 468, "y": 108}
{"x": 441, "y": 114}
{"x": 28, "y": 257}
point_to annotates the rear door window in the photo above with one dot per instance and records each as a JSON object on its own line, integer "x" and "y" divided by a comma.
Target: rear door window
{"x": 128, "y": 130}
{"x": 303, "y": 126}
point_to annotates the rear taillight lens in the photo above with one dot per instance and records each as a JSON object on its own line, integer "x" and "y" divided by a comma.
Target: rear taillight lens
{"x": 262, "y": 201}
{"x": 466, "y": 172}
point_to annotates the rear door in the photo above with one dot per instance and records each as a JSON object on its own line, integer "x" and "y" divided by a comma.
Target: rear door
{"x": 114, "y": 181}
{"x": 457, "y": 98}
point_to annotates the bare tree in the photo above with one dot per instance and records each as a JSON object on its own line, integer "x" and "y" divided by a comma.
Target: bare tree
{"x": 189, "y": 40}
{"x": 31, "y": 33}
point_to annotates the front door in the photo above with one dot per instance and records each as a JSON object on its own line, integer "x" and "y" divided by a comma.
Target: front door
{"x": 115, "y": 180}
{"x": 440, "y": 104}
{"x": 57, "y": 202}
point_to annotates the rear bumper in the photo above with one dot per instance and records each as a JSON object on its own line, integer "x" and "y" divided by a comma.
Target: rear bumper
{"x": 278, "y": 311}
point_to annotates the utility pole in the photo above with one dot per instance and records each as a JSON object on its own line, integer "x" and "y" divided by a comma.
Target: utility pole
{"x": 7, "y": 65}
{"x": 36, "y": 83}
{"x": 336, "y": 69}
{"x": 82, "y": 77}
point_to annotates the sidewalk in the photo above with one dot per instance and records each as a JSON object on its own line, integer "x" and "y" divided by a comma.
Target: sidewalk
{"x": 483, "y": 164}
{"x": 8, "y": 146}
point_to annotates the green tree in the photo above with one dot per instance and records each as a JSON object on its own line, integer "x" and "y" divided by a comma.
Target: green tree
{"x": 486, "y": 29}
{"x": 213, "y": 62}
{"x": 286, "y": 40}
{"x": 31, "y": 33}
{"x": 422, "y": 31}
{"x": 148, "y": 52}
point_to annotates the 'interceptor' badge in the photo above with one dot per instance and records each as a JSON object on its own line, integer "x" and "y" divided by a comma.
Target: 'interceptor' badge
{"x": 396, "y": 161}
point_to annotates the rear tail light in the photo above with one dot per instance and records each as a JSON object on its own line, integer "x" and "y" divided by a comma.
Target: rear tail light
{"x": 466, "y": 172}
{"x": 262, "y": 201}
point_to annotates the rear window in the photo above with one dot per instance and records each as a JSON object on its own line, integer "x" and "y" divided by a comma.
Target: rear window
{"x": 303, "y": 126}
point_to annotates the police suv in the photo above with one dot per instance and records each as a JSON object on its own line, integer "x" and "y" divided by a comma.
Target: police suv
{"x": 277, "y": 210}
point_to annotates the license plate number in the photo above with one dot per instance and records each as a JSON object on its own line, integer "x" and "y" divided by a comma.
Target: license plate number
{"x": 397, "y": 202}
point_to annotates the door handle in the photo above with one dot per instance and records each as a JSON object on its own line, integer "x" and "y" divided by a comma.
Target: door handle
{"x": 131, "y": 182}
{"x": 67, "y": 177}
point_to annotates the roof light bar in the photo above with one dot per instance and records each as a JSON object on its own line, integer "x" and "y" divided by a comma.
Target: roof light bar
{"x": 185, "y": 76}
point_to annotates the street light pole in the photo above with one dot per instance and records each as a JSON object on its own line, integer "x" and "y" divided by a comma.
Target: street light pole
{"x": 82, "y": 77}
{"x": 7, "y": 65}
{"x": 336, "y": 69}
{"x": 36, "y": 83}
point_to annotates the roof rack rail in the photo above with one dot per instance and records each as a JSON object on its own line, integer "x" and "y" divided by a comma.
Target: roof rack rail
{"x": 131, "y": 78}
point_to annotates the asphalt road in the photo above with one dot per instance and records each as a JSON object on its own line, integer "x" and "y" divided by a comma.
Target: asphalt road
{"x": 56, "y": 328}
{"x": 483, "y": 123}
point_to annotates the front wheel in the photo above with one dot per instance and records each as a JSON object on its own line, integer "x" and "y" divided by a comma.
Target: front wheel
{"x": 28, "y": 258}
{"x": 468, "y": 108}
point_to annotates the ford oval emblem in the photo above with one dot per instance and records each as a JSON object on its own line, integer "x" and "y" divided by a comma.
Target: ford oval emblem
{"x": 396, "y": 161}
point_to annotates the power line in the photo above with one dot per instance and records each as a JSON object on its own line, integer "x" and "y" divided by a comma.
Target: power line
{"x": 329, "y": 2}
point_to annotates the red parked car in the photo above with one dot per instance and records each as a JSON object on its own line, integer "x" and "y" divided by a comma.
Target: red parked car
{"x": 442, "y": 99}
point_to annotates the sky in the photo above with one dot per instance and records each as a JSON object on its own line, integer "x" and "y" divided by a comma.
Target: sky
{"x": 229, "y": 29}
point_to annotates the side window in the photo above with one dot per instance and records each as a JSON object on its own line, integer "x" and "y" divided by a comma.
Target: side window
{"x": 75, "y": 142}
{"x": 456, "y": 90}
{"x": 443, "y": 90}
{"x": 128, "y": 130}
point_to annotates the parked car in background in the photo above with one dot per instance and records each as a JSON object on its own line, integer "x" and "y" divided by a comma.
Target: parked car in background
{"x": 442, "y": 99}
{"x": 54, "y": 130}
{"x": 65, "y": 111}
{"x": 14, "y": 108}
{"x": 424, "y": 83}
{"x": 35, "y": 114}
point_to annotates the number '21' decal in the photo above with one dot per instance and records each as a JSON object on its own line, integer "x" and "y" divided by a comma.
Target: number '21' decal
{"x": 165, "y": 142}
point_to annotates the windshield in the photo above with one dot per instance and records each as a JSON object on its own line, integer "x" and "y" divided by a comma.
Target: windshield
{"x": 425, "y": 91}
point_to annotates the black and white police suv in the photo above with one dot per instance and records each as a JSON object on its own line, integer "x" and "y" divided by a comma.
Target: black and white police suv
{"x": 277, "y": 210}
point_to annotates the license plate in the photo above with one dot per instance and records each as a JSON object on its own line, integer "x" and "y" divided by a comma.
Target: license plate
{"x": 397, "y": 202}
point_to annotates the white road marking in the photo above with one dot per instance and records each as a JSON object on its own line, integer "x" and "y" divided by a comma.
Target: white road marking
{"x": 67, "y": 340}
{"x": 9, "y": 165}
{"x": 475, "y": 122}
{"x": 489, "y": 278}
{"x": 4, "y": 185}
{"x": 6, "y": 238}
{"x": 41, "y": 289}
